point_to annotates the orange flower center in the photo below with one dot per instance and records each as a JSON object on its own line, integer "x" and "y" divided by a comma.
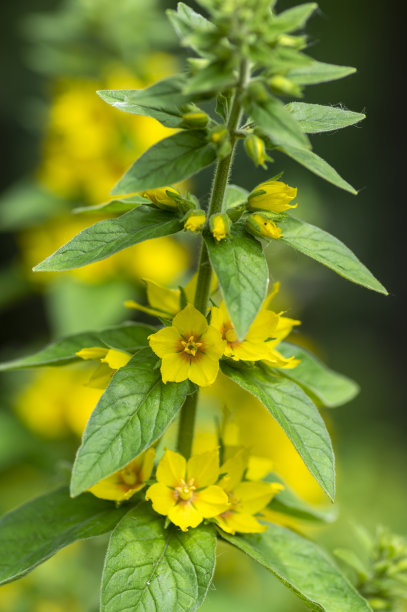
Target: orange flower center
{"x": 229, "y": 334}
{"x": 190, "y": 348}
{"x": 185, "y": 490}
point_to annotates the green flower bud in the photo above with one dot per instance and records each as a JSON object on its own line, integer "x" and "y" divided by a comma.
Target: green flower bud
{"x": 256, "y": 150}
{"x": 282, "y": 86}
{"x": 195, "y": 120}
{"x": 163, "y": 197}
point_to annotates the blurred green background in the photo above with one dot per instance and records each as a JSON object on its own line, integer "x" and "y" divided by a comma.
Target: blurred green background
{"x": 50, "y": 48}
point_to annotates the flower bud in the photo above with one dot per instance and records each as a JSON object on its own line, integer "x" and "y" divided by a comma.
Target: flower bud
{"x": 195, "y": 120}
{"x": 293, "y": 42}
{"x": 195, "y": 220}
{"x": 163, "y": 197}
{"x": 282, "y": 86}
{"x": 219, "y": 225}
{"x": 260, "y": 225}
{"x": 256, "y": 150}
{"x": 272, "y": 196}
{"x": 219, "y": 137}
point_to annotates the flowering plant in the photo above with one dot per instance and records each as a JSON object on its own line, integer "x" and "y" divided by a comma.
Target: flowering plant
{"x": 166, "y": 521}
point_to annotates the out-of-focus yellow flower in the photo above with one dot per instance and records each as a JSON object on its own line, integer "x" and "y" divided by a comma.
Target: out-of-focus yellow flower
{"x": 110, "y": 361}
{"x": 186, "y": 491}
{"x": 220, "y": 226}
{"x": 272, "y": 196}
{"x": 162, "y": 197}
{"x": 260, "y": 225}
{"x": 265, "y": 333}
{"x": 122, "y": 485}
{"x": 190, "y": 348}
{"x": 246, "y": 497}
{"x": 195, "y": 221}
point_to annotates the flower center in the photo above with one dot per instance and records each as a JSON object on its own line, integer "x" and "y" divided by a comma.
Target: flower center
{"x": 229, "y": 334}
{"x": 191, "y": 346}
{"x": 185, "y": 490}
{"x": 129, "y": 477}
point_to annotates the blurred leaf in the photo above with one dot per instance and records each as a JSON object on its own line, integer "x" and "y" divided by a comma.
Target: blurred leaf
{"x": 148, "y": 567}
{"x": 291, "y": 19}
{"x": 215, "y": 77}
{"x": 322, "y": 384}
{"x": 15, "y": 441}
{"x": 314, "y": 118}
{"x": 278, "y": 124}
{"x": 114, "y": 207}
{"x": 190, "y": 26}
{"x": 296, "y": 414}
{"x": 328, "y": 250}
{"x": 34, "y": 532}
{"x": 13, "y": 285}
{"x": 171, "y": 160}
{"x": 110, "y": 236}
{"x": 352, "y": 560}
{"x": 303, "y": 567}
{"x": 242, "y": 272}
{"x": 319, "y": 72}
{"x": 318, "y": 166}
{"x": 123, "y": 337}
{"x": 133, "y": 412}
{"x": 160, "y": 101}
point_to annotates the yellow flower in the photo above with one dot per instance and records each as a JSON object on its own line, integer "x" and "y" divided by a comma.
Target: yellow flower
{"x": 219, "y": 226}
{"x": 195, "y": 221}
{"x": 162, "y": 197}
{"x": 272, "y": 196}
{"x": 190, "y": 348}
{"x": 265, "y": 333}
{"x": 259, "y": 225}
{"x": 110, "y": 359}
{"x": 186, "y": 491}
{"x": 123, "y": 484}
{"x": 247, "y": 498}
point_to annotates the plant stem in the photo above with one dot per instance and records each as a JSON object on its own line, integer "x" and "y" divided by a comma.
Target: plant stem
{"x": 203, "y": 286}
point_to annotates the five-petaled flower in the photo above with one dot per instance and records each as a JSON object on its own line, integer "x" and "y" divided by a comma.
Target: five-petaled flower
{"x": 190, "y": 348}
{"x": 186, "y": 491}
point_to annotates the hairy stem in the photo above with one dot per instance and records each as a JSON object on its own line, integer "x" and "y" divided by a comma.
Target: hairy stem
{"x": 188, "y": 411}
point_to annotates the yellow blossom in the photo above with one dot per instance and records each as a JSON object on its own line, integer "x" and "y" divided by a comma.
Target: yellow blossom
{"x": 123, "y": 484}
{"x": 195, "y": 221}
{"x": 219, "y": 226}
{"x": 186, "y": 491}
{"x": 110, "y": 359}
{"x": 260, "y": 225}
{"x": 190, "y": 348}
{"x": 247, "y": 498}
{"x": 272, "y": 196}
{"x": 163, "y": 197}
{"x": 265, "y": 333}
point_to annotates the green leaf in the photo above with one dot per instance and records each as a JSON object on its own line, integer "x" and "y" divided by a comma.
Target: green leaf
{"x": 322, "y": 384}
{"x": 114, "y": 207}
{"x": 328, "y": 250}
{"x": 215, "y": 77}
{"x": 303, "y": 567}
{"x": 291, "y": 19}
{"x": 318, "y": 166}
{"x": 234, "y": 195}
{"x": 148, "y": 567}
{"x": 160, "y": 101}
{"x": 314, "y": 118}
{"x": 271, "y": 118}
{"x": 127, "y": 336}
{"x": 242, "y": 272}
{"x": 133, "y": 412}
{"x": 319, "y": 72}
{"x": 287, "y": 502}
{"x": 110, "y": 236}
{"x": 34, "y": 532}
{"x": 169, "y": 161}
{"x": 296, "y": 414}
{"x": 191, "y": 26}
{"x": 352, "y": 560}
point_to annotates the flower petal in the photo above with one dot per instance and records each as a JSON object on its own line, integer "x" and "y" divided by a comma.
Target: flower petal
{"x": 116, "y": 359}
{"x": 162, "y": 498}
{"x": 165, "y": 341}
{"x": 112, "y": 488}
{"x": 214, "y": 345}
{"x": 147, "y": 464}
{"x": 163, "y": 299}
{"x": 174, "y": 368}
{"x": 211, "y": 501}
{"x": 93, "y": 352}
{"x": 238, "y": 521}
{"x": 184, "y": 515}
{"x": 254, "y": 496}
{"x": 204, "y": 468}
{"x": 234, "y": 467}
{"x": 171, "y": 469}
{"x": 190, "y": 322}
{"x": 204, "y": 371}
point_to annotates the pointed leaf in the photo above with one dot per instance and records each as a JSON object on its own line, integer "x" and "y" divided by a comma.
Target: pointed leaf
{"x": 114, "y": 207}
{"x": 318, "y": 166}
{"x": 278, "y": 124}
{"x": 242, "y": 272}
{"x": 127, "y": 336}
{"x": 214, "y": 77}
{"x": 133, "y": 412}
{"x": 34, "y": 532}
{"x": 191, "y": 27}
{"x": 291, "y": 19}
{"x": 328, "y": 250}
{"x": 314, "y": 118}
{"x": 169, "y": 161}
{"x": 148, "y": 567}
{"x": 110, "y": 236}
{"x": 319, "y": 72}
{"x": 296, "y": 414}
{"x": 322, "y": 384}
{"x": 160, "y": 101}
{"x": 303, "y": 567}
{"x": 234, "y": 195}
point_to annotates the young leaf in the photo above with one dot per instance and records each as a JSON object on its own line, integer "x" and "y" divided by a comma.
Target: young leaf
{"x": 318, "y": 72}
{"x": 319, "y": 382}
{"x": 315, "y": 118}
{"x": 114, "y": 207}
{"x": 303, "y": 567}
{"x": 296, "y": 414}
{"x": 171, "y": 160}
{"x": 318, "y": 166}
{"x": 123, "y": 337}
{"x": 160, "y": 101}
{"x": 191, "y": 26}
{"x": 148, "y": 567}
{"x": 110, "y": 236}
{"x": 328, "y": 250}
{"x": 242, "y": 272}
{"x": 133, "y": 412}
{"x": 34, "y": 532}
{"x": 234, "y": 195}
{"x": 214, "y": 77}
{"x": 277, "y": 123}
{"x": 291, "y": 19}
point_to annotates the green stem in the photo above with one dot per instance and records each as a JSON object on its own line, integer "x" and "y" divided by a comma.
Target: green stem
{"x": 203, "y": 287}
